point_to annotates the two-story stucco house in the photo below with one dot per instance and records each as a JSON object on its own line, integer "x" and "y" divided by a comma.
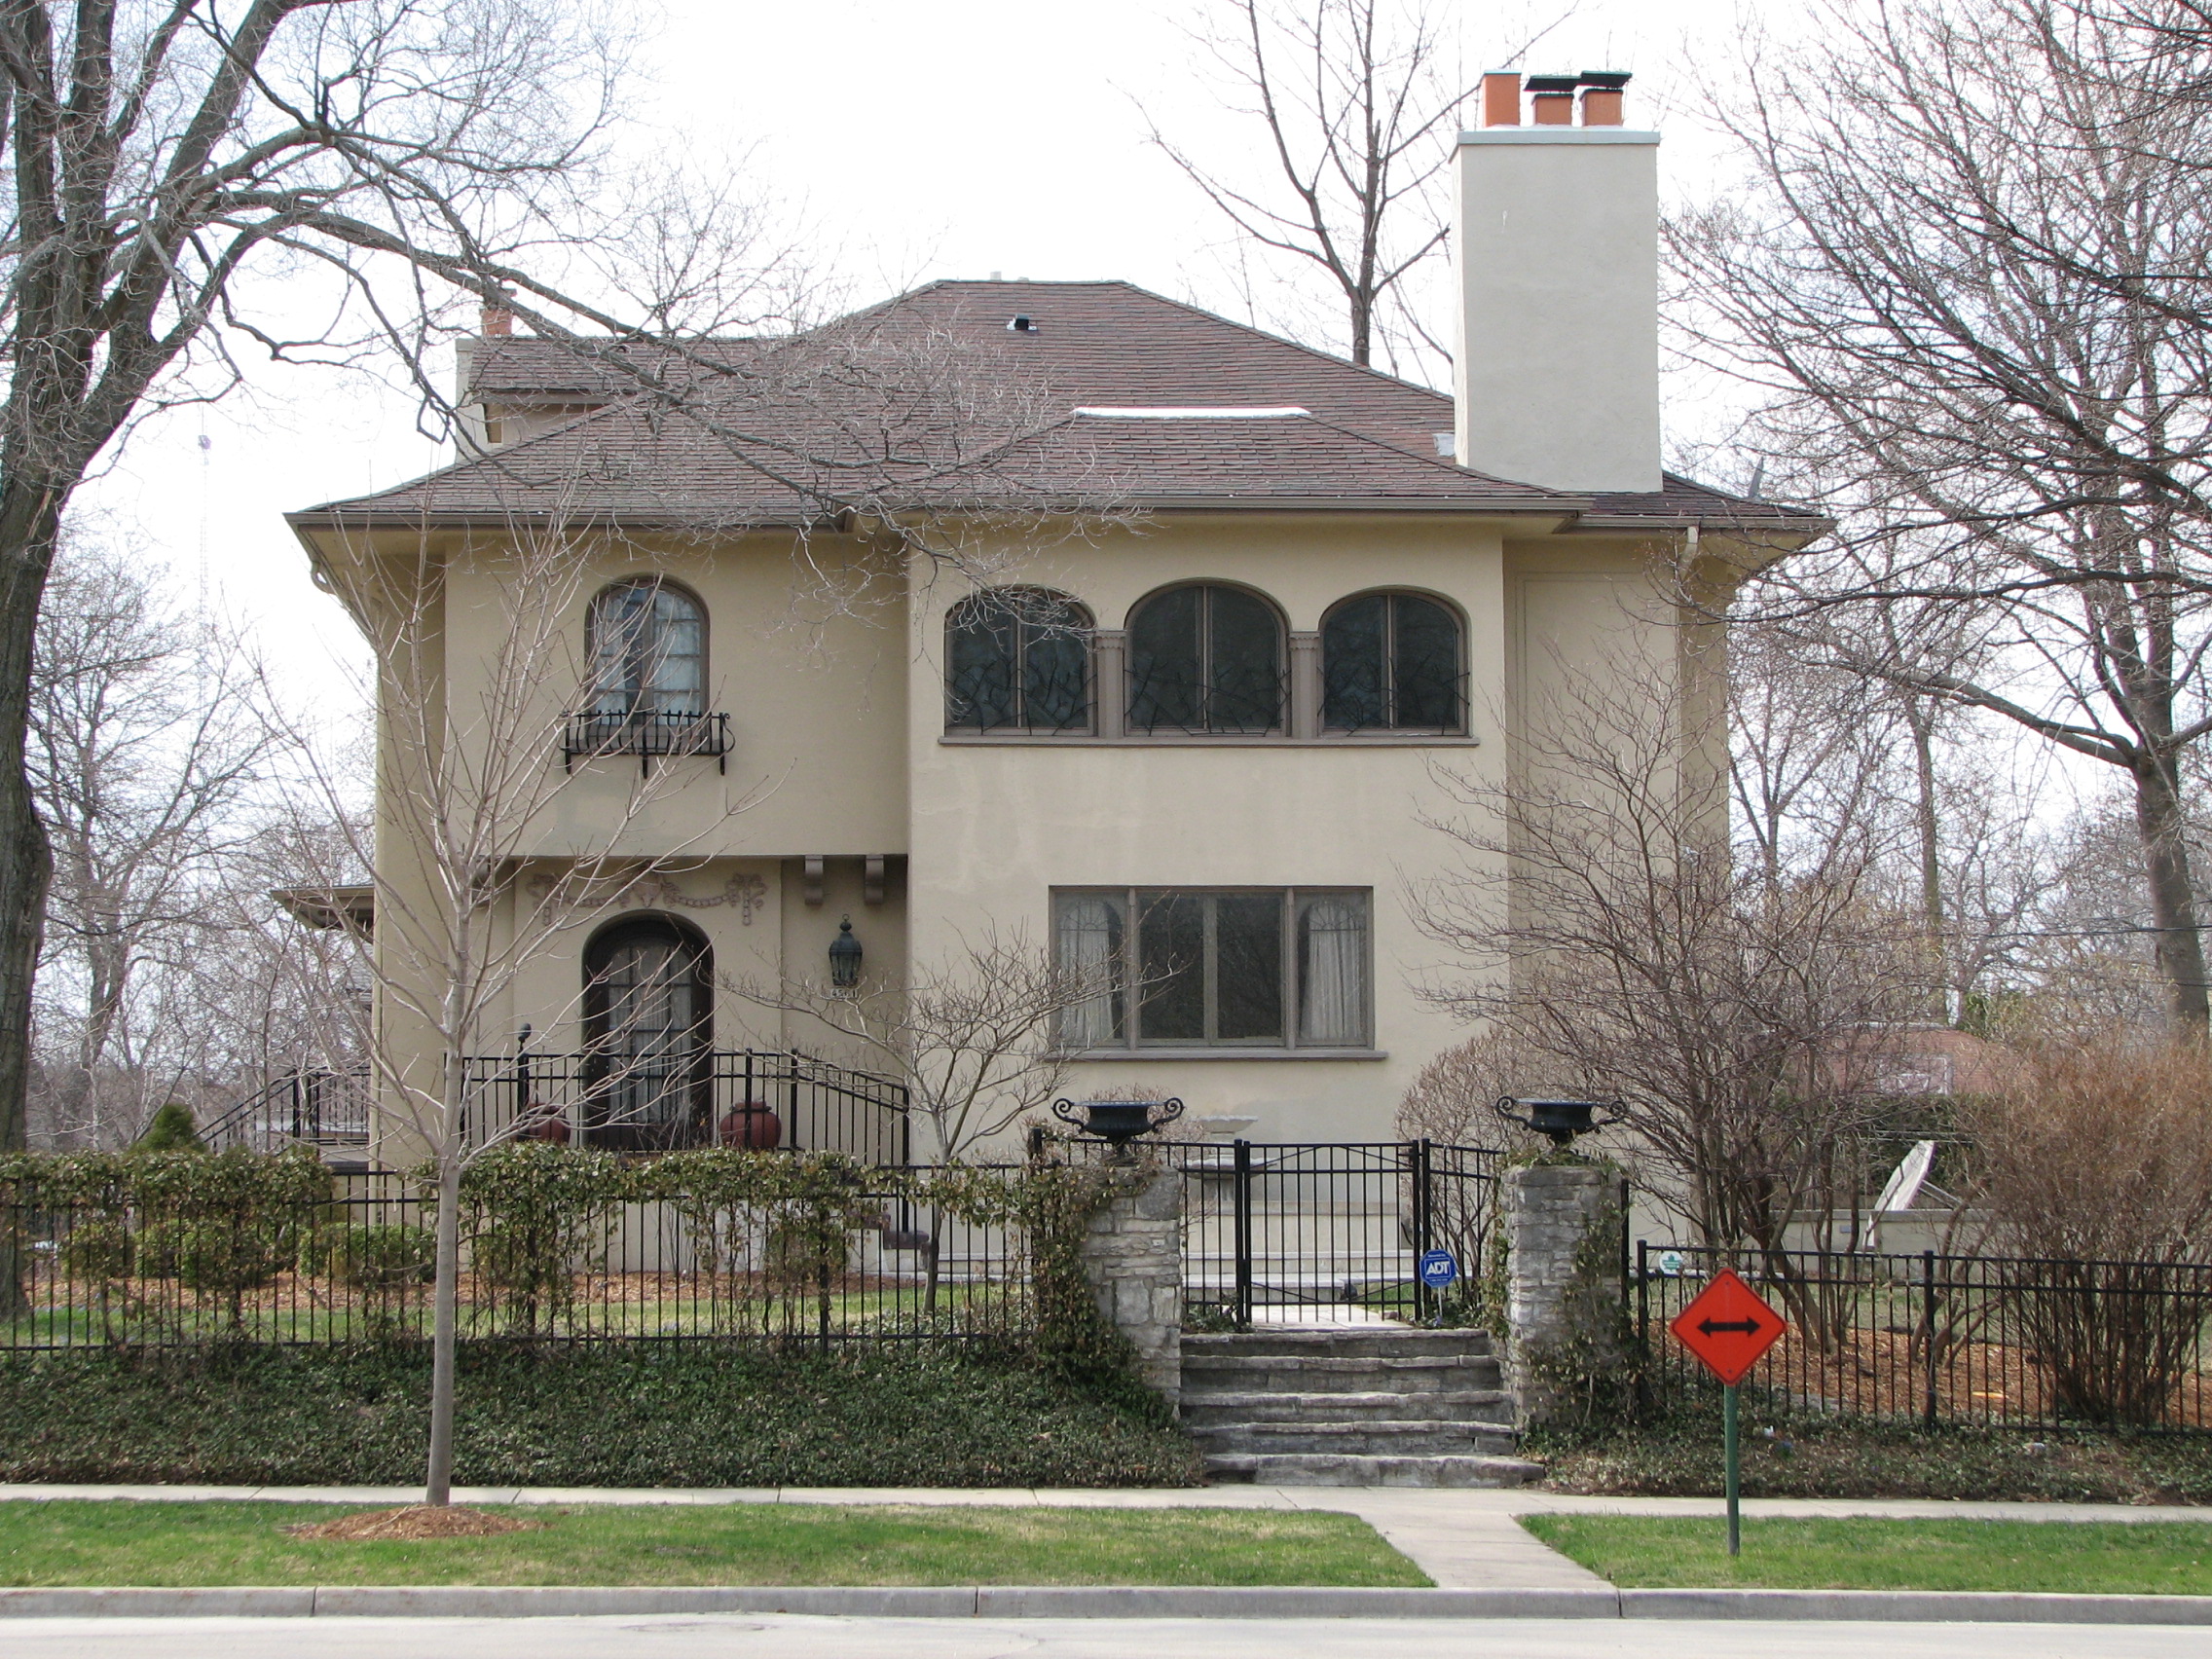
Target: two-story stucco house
{"x": 1190, "y": 746}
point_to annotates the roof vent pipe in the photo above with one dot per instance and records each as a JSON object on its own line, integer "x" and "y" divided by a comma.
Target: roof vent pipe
{"x": 1024, "y": 324}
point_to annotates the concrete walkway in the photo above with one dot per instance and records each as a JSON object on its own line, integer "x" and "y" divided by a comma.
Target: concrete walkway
{"x": 1463, "y": 1540}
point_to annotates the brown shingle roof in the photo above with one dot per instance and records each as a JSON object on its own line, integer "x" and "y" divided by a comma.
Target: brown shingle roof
{"x": 948, "y": 405}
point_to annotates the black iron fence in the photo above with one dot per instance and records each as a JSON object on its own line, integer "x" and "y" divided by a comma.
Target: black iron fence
{"x": 1274, "y": 1233}
{"x": 1995, "y": 1340}
{"x": 359, "y": 1266}
{"x": 673, "y": 1099}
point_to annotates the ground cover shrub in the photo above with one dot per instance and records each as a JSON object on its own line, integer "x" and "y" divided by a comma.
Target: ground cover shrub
{"x": 618, "y": 1414}
{"x": 1678, "y": 1454}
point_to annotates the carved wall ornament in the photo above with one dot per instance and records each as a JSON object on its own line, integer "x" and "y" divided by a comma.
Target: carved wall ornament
{"x": 748, "y": 893}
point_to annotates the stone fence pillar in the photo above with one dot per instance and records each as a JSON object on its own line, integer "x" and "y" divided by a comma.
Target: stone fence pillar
{"x": 1134, "y": 1257}
{"x": 1564, "y": 1287}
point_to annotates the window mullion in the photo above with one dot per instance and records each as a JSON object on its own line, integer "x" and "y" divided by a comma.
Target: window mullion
{"x": 1390, "y": 662}
{"x": 1207, "y": 660}
{"x": 1286, "y": 942}
{"x": 1209, "y": 955}
{"x": 1133, "y": 968}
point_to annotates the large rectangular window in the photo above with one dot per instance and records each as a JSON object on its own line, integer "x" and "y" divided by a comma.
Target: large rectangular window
{"x": 1265, "y": 968}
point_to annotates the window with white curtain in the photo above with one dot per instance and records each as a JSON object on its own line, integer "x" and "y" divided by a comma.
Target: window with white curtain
{"x": 1262, "y": 968}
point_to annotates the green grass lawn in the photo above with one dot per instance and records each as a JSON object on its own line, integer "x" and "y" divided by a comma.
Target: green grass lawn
{"x": 1669, "y": 1552}
{"x": 112, "y": 1542}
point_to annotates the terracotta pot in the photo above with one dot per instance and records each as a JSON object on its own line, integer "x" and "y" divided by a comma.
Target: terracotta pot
{"x": 550, "y": 1129}
{"x": 751, "y": 1126}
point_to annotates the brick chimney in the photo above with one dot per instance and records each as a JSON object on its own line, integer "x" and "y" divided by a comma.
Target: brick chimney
{"x": 1557, "y": 380}
{"x": 498, "y": 323}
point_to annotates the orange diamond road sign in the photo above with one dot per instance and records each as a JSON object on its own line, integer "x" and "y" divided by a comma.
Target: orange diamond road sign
{"x": 1728, "y": 1327}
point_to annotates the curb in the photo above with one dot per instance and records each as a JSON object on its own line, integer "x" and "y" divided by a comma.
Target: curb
{"x": 1104, "y": 1601}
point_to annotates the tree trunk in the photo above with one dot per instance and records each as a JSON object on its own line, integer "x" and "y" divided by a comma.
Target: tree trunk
{"x": 445, "y": 1301}
{"x": 1922, "y": 726}
{"x": 31, "y": 522}
{"x": 2161, "y": 821}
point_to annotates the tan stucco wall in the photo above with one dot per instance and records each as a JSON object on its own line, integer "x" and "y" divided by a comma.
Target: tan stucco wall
{"x": 839, "y": 751}
{"x": 996, "y": 827}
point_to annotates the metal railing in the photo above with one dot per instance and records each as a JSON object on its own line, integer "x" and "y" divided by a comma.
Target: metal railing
{"x": 2002, "y": 1342}
{"x": 669, "y": 1100}
{"x": 357, "y": 1267}
{"x": 308, "y": 1107}
{"x": 593, "y": 735}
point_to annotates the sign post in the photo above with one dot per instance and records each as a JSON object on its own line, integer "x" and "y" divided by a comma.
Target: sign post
{"x": 1728, "y": 1326}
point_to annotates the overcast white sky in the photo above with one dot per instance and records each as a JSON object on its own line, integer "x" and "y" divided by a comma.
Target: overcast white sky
{"x": 944, "y": 138}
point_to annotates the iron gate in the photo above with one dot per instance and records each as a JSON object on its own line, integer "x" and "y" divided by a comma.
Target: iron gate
{"x": 1321, "y": 1231}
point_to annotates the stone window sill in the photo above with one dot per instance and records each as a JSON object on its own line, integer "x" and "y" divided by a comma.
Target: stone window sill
{"x": 1226, "y": 740}
{"x": 1198, "y": 1051}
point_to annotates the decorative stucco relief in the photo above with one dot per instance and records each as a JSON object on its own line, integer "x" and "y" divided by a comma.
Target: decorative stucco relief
{"x": 747, "y": 892}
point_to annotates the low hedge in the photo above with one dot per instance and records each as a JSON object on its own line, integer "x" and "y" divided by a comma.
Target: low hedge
{"x": 628, "y": 1415}
{"x": 1680, "y": 1455}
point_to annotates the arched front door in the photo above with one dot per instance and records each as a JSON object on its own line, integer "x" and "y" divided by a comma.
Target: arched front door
{"x": 648, "y": 1031}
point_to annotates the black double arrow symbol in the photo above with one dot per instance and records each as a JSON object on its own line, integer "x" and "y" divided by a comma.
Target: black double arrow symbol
{"x": 1714, "y": 1327}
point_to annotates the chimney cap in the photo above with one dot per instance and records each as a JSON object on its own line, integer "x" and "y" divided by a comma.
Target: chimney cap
{"x": 1607, "y": 80}
{"x": 1553, "y": 83}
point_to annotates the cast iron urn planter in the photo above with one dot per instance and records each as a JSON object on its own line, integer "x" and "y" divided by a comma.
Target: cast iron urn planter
{"x": 1561, "y": 1120}
{"x": 1117, "y": 1123}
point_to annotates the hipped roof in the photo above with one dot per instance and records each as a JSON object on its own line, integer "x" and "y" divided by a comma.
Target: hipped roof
{"x": 931, "y": 402}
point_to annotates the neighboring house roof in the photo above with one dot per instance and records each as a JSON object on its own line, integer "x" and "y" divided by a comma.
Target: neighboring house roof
{"x": 1112, "y": 397}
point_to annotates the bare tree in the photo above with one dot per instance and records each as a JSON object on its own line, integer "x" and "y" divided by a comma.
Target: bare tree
{"x": 469, "y": 717}
{"x": 175, "y": 171}
{"x": 1358, "y": 101}
{"x": 142, "y": 757}
{"x": 976, "y": 1037}
{"x": 1964, "y": 280}
{"x": 1744, "y": 1026}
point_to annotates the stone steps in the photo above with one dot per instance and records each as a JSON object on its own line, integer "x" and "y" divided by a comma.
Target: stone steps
{"x": 1411, "y": 1438}
{"x": 1472, "y": 1405}
{"x": 1350, "y": 1341}
{"x": 1436, "y": 1373}
{"x": 1368, "y": 1406}
{"x": 1339, "y": 1470}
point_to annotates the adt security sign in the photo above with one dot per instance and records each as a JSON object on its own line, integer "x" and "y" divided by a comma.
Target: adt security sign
{"x": 1438, "y": 1269}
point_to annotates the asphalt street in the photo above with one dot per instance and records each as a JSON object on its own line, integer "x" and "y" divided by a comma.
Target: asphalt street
{"x": 794, "y": 1637}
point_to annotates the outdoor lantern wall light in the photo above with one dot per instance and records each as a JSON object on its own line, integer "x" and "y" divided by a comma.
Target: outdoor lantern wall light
{"x": 844, "y": 957}
{"x": 1562, "y": 1120}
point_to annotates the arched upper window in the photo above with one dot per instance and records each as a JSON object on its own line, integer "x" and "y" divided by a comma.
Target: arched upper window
{"x": 1017, "y": 659}
{"x": 1205, "y": 659}
{"x": 1392, "y": 661}
{"x": 648, "y": 651}
{"x": 648, "y": 1026}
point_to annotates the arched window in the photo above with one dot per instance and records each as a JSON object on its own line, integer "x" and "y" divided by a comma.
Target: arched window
{"x": 1392, "y": 661}
{"x": 1017, "y": 659}
{"x": 1205, "y": 659}
{"x": 648, "y": 652}
{"x": 649, "y": 1030}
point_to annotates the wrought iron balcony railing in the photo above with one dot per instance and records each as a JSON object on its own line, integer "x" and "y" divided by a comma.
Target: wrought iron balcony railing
{"x": 595, "y": 734}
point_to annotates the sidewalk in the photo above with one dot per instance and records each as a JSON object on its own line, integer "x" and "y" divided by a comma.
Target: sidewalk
{"x": 1462, "y": 1539}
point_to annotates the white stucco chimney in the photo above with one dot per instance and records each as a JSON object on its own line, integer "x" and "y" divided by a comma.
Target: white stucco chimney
{"x": 1557, "y": 381}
